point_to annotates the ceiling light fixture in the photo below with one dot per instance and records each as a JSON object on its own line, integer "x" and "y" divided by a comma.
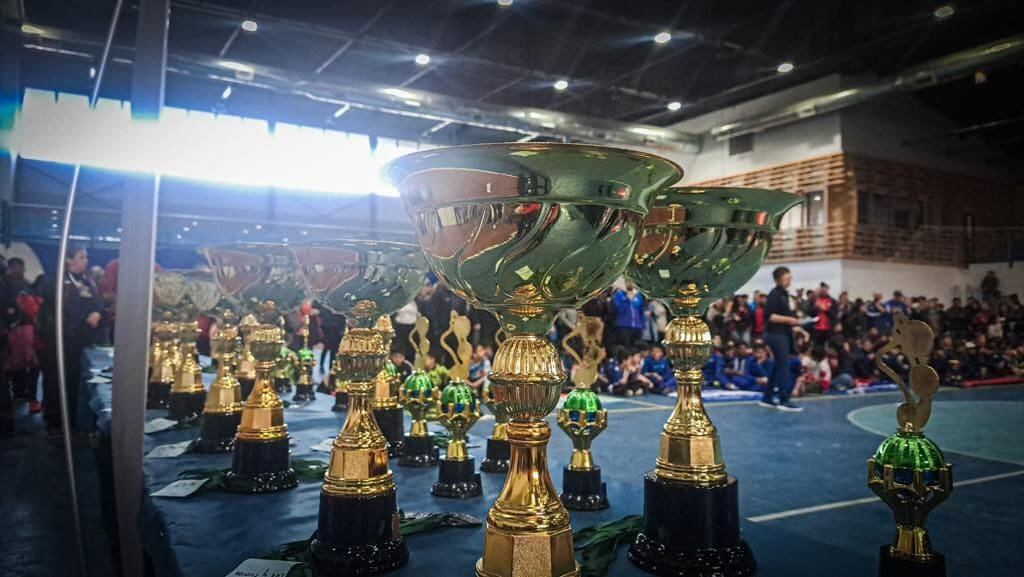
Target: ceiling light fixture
{"x": 504, "y": 2}
{"x": 399, "y": 93}
{"x": 561, "y": 85}
{"x": 30, "y": 29}
{"x": 92, "y": 72}
{"x": 785, "y": 67}
{"x": 662, "y": 37}
{"x": 422, "y": 59}
{"x": 944, "y": 11}
{"x": 674, "y": 105}
{"x": 227, "y": 93}
{"x": 250, "y": 25}
{"x": 237, "y": 66}
{"x": 339, "y": 112}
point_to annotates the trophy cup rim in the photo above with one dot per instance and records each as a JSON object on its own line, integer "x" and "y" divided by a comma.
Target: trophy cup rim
{"x": 398, "y": 170}
{"x": 262, "y": 248}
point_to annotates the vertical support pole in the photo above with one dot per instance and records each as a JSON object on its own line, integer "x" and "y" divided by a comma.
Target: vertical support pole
{"x": 135, "y": 280}
{"x": 10, "y": 103}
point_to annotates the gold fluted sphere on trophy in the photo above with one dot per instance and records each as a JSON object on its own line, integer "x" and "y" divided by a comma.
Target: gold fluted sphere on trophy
{"x": 697, "y": 245}
{"x": 357, "y": 532}
{"x": 523, "y": 230}
{"x": 261, "y": 279}
{"x": 583, "y": 418}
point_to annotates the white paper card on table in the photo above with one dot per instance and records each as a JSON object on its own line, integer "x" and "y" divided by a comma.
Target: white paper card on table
{"x": 263, "y": 568}
{"x": 157, "y": 425}
{"x": 170, "y": 450}
{"x": 181, "y": 489}
{"x": 325, "y": 445}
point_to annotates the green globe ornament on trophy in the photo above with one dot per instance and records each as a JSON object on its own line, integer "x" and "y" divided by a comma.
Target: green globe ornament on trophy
{"x": 697, "y": 245}
{"x": 304, "y": 392}
{"x": 582, "y": 418}
{"x": 458, "y": 412}
{"x": 417, "y": 396}
{"x": 908, "y": 470}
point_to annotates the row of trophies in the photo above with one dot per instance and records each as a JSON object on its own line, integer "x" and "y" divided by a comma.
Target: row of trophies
{"x": 524, "y": 230}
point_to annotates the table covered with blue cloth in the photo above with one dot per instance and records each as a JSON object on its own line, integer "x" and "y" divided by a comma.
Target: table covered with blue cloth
{"x": 209, "y": 533}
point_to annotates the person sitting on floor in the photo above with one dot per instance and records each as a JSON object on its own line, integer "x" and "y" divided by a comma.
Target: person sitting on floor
{"x": 610, "y": 371}
{"x": 632, "y": 382}
{"x": 658, "y": 369}
{"x": 438, "y": 373}
{"x": 738, "y": 373}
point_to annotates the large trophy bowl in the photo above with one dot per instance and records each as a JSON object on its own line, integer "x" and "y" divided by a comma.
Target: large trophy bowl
{"x": 697, "y": 245}
{"x": 357, "y": 532}
{"x": 523, "y": 230}
{"x": 261, "y": 279}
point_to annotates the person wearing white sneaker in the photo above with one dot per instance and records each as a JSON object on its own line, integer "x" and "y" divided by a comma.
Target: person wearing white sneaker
{"x": 778, "y": 335}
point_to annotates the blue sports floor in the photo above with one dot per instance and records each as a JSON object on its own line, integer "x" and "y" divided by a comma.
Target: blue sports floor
{"x": 802, "y": 487}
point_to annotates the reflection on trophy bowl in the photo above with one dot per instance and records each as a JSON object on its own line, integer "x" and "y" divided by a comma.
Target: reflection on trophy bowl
{"x": 169, "y": 289}
{"x": 251, "y": 273}
{"x": 526, "y": 229}
{"x": 701, "y": 244}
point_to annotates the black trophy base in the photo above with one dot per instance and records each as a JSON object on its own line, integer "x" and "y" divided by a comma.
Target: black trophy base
{"x": 282, "y": 385}
{"x": 457, "y": 480}
{"x": 691, "y": 531}
{"x": 186, "y": 406}
{"x": 260, "y": 467}
{"x": 358, "y": 536}
{"x": 217, "y": 434}
{"x": 391, "y": 423}
{"x": 583, "y": 490}
{"x": 158, "y": 395}
{"x": 890, "y": 565}
{"x": 418, "y": 452}
{"x": 246, "y": 385}
{"x": 304, "y": 393}
{"x": 340, "y": 402}
{"x": 499, "y": 452}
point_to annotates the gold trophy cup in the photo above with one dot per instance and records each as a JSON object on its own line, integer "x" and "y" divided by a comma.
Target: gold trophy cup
{"x": 523, "y": 230}
{"x": 223, "y": 410}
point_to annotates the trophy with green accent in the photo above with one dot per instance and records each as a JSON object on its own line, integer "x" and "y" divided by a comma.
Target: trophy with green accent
{"x": 304, "y": 392}
{"x": 417, "y": 395}
{"x": 498, "y": 450}
{"x": 458, "y": 412}
{"x": 582, "y": 418}
{"x": 387, "y": 410}
{"x": 908, "y": 470}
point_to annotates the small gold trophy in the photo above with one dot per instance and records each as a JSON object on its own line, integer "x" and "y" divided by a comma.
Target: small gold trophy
{"x": 357, "y": 531}
{"x": 263, "y": 278}
{"x": 187, "y": 393}
{"x": 286, "y": 367}
{"x": 458, "y": 412}
{"x": 498, "y": 449}
{"x": 387, "y": 410}
{"x": 245, "y": 364}
{"x": 223, "y": 410}
{"x": 908, "y": 470}
{"x": 304, "y": 392}
{"x": 163, "y": 369}
{"x": 418, "y": 395}
{"x": 524, "y": 230}
{"x": 697, "y": 245}
{"x": 582, "y": 418}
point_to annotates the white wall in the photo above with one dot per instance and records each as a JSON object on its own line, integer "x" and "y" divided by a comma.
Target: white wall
{"x": 862, "y": 278}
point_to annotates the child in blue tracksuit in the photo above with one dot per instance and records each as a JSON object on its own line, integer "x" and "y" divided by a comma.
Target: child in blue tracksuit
{"x": 610, "y": 372}
{"x": 712, "y": 369}
{"x": 658, "y": 369}
{"x": 741, "y": 370}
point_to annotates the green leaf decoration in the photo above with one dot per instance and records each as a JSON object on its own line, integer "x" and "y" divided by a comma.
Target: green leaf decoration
{"x": 215, "y": 478}
{"x": 309, "y": 470}
{"x": 598, "y": 545}
{"x": 441, "y": 439}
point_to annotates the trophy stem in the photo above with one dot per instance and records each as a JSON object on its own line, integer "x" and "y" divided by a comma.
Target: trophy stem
{"x": 691, "y": 506}
{"x": 187, "y": 393}
{"x": 223, "y": 410}
{"x": 260, "y": 460}
{"x": 357, "y": 531}
{"x": 528, "y": 529}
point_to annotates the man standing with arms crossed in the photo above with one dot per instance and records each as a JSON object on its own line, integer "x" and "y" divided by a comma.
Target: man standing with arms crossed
{"x": 778, "y": 335}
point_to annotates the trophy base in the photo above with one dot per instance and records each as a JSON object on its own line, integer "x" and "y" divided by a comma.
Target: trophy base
{"x": 340, "y": 402}
{"x": 304, "y": 394}
{"x": 890, "y": 565}
{"x": 583, "y": 490}
{"x": 282, "y": 385}
{"x": 358, "y": 536}
{"x": 217, "y": 434}
{"x": 158, "y": 395}
{"x": 499, "y": 452}
{"x": 246, "y": 385}
{"x": 418, "y": 452}
{"x": 691, "y": 531}
{"x": 457, "y": 480}
{"x": 186, "y": 406}
{"x": 260, "y": 467}
{"x": 539, "y": 553}
{"x": 391, "y": 423}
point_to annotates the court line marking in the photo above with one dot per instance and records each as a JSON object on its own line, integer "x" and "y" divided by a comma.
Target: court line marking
{"x": 867, "y": 500}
